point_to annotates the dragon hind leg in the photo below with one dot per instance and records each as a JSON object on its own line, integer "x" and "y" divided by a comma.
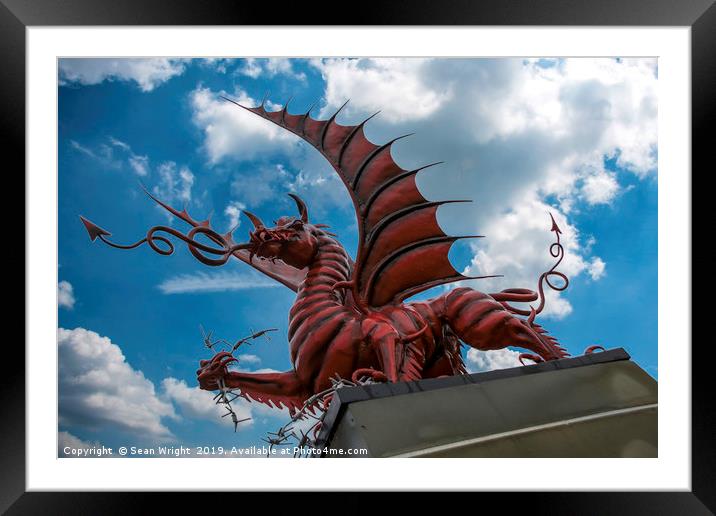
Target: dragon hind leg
{"x": 483, "y": 323}
{"x": 388, "y": 348}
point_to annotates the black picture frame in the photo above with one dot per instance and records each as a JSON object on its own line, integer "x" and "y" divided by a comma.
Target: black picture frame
{"x": 700, "y": 15}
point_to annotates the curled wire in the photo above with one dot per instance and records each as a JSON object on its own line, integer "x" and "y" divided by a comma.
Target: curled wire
{"x": 225, "y": 250}
{"x": 556, "y": 250}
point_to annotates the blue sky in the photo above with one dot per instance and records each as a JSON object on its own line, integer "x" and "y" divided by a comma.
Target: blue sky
{"x": 522, "y": 138}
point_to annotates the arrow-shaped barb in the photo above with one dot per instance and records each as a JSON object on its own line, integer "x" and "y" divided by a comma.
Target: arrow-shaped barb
{"x": 93, "y": 229}
{"x": 555, "y": 227}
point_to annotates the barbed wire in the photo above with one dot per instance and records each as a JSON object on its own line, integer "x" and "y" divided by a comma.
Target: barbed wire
{"x": 312, "y": 413}
{"x": 226, "y": 396}
{"x": 304, "y": 425}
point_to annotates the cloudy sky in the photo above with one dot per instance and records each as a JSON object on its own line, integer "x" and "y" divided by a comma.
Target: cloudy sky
{"x": 521, "y": 138}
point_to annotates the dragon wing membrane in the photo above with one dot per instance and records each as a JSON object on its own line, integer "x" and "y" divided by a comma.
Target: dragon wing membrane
{"x": 402, "y": 250}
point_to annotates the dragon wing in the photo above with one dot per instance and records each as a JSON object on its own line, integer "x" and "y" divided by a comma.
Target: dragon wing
{"x": 401, "y": 250}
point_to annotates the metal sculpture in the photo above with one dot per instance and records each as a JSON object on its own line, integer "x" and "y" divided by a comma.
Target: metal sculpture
{"x": 350, "y": 318}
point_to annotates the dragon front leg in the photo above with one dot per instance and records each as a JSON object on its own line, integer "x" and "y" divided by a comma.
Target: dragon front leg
{"x": 269, "y": 388}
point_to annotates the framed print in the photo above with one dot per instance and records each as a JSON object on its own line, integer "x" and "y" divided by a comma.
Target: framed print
{"x": 252, "y": 263}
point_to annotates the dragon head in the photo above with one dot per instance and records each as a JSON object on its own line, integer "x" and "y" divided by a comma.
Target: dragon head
{"x": 292, "y": 239}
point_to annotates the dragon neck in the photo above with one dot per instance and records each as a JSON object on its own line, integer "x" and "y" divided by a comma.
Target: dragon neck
{"x": 330, "y": 266}
{"x": 317, "y": 291}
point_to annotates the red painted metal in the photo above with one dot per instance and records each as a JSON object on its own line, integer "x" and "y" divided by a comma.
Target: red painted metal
{"x": 349, "y": 318}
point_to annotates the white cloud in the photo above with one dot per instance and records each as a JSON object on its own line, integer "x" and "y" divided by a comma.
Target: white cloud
{"x": 521, "y": 138}
{"x": 252, "y": 68}
{"x": 233, "y": 212}
{"x": 81, "y": 148}
{"x": 218, "y": 64}
{"x": 118, "y": 143}
{"x": 65, "y": 295}
{"x": 99, "y": 389}
{"x": 139, "y": 164}
{"x": 261, "y": 185}
{"x": 518, "y": 248}
{"x": 276, "y": 65}
{"x": 270, "y": 67}
{"x": 175, "y": 183}
{"x": 232, "y": 132}
{"x": 249, "y": 359}
{"x": 147, "y": 73}
{"x": 220, "y": 281}
{"x": 480, "y": 361}
{"x": 596, "y": 268}
{"x": 66, "y": 440}
{"x": 514, "y": 133}
{"x": 195, "y": 403}
{"x": 311, "y": 178}
{"x": 105, "y": 154}
{"x": 400, "y": 88}
{"x": 600, "y": 187}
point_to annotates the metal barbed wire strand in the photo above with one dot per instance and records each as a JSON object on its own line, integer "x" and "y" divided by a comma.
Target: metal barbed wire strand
{"x": 314, "y": 408}
{"x": 305, "y": 444}
{"x": 222, "y": 398}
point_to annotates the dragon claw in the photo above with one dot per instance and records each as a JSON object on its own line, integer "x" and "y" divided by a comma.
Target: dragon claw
{"x": 376, "y": 376}
{"x": 529, "y": 356}
{"x": 592, "y": 349}
{"x": 211, "y": 371}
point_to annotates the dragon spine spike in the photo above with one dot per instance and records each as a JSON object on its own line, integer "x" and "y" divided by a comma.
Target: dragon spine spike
{"x": 306, "y": 115}
{"x": 285, "y": 109}
{"x": 282, "y": 273}
{"x": 391, "y": 181}
{"x": 405, "y": 251}
{"x": 310, "y": 108}
{"x": 183, "y": 215}
{"x": 393, "y": 217}
{"x": 373, "y": 156}
{"x": 330, "y": 121}
{"x": 379, "y": 189}
{"x": 349, "y": 139}
{"x": 230, "y": 234}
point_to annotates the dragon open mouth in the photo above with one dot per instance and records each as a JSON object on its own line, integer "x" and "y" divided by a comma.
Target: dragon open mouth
{"x": 267, "y": 243}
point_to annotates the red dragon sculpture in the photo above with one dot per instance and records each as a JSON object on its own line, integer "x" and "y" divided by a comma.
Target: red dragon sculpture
{"x": 350, "y": 317}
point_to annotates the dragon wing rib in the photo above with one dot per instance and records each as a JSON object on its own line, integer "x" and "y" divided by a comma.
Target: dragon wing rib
{"x": 402, "y": 250}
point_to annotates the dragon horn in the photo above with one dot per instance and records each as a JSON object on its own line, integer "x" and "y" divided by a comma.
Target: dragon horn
{"x": 302, "y": 210}
{"x": 254, "y": 219}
